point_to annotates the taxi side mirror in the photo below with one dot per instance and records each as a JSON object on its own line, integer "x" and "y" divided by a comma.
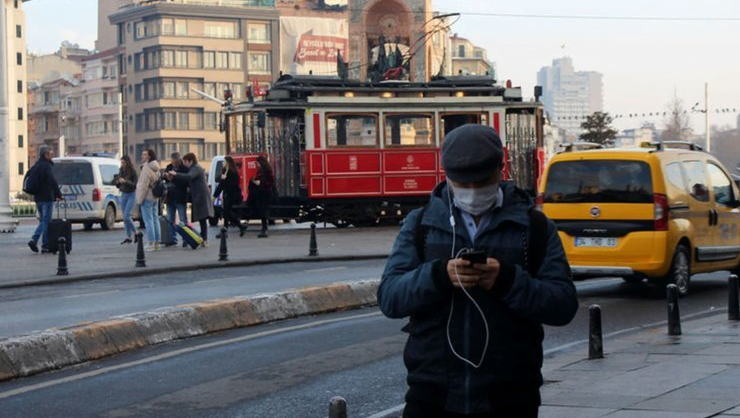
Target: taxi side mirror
{"x": 734, "y": 204}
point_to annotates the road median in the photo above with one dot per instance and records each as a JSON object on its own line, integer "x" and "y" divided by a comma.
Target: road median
{"x": 54, "y": 349}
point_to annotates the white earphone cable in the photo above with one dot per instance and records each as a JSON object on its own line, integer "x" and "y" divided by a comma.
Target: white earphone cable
{"x": 452, "y": 306}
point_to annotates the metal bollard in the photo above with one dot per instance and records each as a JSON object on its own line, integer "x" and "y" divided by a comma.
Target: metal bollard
{"x": 674, "y": 316}
{"x": 140, "y": 260}
{"x": 313, "y": 248}
{"x": 223, "y": 252}
{"x": 62, "y": 264}
{"x": 337, "y": 407}
{"x": 595, "y": 340}
{"x": 733, "y": 304}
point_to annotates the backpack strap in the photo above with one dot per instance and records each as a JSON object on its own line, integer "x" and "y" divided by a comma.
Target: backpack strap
{"x": 420, "y": 234}
{"x": 536, "y": 241}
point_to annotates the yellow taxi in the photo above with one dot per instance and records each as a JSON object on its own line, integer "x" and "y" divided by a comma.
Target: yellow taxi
{"x": 664, "y": 211}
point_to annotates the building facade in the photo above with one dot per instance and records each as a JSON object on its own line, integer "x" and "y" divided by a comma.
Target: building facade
{"x": 469, "y": 59}
{"x": 15, "y": 61}
{"x": 55, "y": 117}
{"x": 99, "y": 103}
{"x": 170, "y": 49}
{"x": 568, "y": 95}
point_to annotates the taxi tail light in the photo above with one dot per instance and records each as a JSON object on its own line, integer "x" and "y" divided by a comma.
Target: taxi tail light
{"x": 96, "y": 195}
{"x": 660, "y": 202}
{"x": 539, "y": 201}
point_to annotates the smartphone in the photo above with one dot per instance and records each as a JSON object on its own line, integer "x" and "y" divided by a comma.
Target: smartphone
{"x": 475, "y": 257}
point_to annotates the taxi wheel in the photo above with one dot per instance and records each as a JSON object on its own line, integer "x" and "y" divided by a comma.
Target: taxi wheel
{"x": 109, "y": 219}
{"x": 680, "y": 273}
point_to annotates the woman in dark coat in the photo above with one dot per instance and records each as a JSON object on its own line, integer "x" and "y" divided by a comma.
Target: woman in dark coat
{"x": 126, "y": 182}
{"x": 261, "y": 193}
{"x": 202, "y": 207}
{"x": 228, "y": 183}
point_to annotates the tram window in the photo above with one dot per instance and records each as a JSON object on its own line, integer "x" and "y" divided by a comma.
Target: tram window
{"x": 352, "y": 130}
{"x": 451, "y": 121}
{"x": 409, "y": 130}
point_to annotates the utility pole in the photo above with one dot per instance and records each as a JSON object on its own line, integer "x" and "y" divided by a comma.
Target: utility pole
{"x": 7, "y": 224}
{"x": 706, "y": 117}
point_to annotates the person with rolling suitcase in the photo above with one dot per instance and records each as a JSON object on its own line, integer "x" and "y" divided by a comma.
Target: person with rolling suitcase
{"x": 40, "y": 183}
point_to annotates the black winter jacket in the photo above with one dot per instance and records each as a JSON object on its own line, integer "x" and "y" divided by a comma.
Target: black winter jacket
{"x": 515, "y": 308}
{"x": 230, "y": 188}
{"x": 130, "y": 178}
{"x": 177, "y": 190}
{"x": 47, "y": 189}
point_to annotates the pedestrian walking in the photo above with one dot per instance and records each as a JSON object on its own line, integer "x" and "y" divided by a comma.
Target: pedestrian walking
{"x": 228, "y": 183}
{"x": 475, "y": 318}
{"x": 126, "y": 182}
{"x": 41, "y": 183}
{"x": 177, "y": 196}
{"x": 202, "y": 206}
{"x": 146, "y": 200}
{"x": 261, "y": 193}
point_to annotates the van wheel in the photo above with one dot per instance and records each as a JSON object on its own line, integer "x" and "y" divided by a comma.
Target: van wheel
{"x": 88, "y": 226}
{"x": 680, "y": 273}
{"x": 109, "y": 220}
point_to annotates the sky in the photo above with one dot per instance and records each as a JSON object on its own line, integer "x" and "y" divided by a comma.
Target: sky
{"x": 645, "y": 62}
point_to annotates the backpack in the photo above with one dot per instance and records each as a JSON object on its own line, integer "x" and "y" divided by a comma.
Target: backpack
{"x": 159, "y": 188}
{"x": 535, "y": 245}
{"x": 31, "y": 181}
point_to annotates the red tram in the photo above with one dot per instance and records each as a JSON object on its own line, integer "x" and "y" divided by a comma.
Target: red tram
{"x": 348, "y": 152}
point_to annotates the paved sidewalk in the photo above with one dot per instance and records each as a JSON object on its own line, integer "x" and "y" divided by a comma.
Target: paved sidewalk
{"x": 650, "y": 375}
{"x": 99, "y": 254}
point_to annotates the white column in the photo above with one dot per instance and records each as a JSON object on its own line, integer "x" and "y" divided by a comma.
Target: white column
{"x": 7, "y": 224}
{"x": 120, "y": 125}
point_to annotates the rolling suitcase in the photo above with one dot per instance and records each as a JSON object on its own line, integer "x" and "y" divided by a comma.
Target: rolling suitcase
{"x": 166, "y": 231}
{"x": 58, "y": 228}
{"x": 188, "y": 235}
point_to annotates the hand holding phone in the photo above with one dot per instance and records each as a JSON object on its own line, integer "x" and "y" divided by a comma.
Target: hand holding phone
{"x": 475, "y": 257}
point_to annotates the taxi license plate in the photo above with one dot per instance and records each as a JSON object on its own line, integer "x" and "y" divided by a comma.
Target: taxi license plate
{"x": 596, "y": 242}
{"x": 70, "y": 197}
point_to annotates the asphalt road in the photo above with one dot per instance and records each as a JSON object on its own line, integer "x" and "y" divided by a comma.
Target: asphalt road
{"x": 292, "y": 368}
{"x": 24, "y": 310}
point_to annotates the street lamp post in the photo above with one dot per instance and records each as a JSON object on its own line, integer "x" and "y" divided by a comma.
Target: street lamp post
{"x": 7, "y": 224}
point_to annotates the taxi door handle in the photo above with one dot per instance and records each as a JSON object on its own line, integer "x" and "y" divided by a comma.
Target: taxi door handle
{"x": 714, "y": 217}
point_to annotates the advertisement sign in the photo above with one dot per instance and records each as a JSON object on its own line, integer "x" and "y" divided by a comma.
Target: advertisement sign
{"x": 311, "y": 44}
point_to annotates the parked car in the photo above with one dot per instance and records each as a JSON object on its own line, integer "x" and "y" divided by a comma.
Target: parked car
{"x": 88, "y": 186}
{"x": 655, "y": 212}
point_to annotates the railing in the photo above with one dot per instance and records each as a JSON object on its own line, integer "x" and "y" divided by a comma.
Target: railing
{"x": 227, "y": 3}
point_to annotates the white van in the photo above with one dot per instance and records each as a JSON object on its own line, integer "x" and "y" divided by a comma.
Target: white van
{"x": 217, "y": 163}
{"x": 88, "y": 187}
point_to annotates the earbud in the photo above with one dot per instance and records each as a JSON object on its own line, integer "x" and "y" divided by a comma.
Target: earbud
{"x": 452, "y": 221}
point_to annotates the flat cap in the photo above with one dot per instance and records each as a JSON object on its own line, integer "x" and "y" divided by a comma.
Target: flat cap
{"x": 472, "y": 153}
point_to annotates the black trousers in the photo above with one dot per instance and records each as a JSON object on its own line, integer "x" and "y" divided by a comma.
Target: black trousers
{"x": 204, "y": 229}
{"x": 519, "y": 403}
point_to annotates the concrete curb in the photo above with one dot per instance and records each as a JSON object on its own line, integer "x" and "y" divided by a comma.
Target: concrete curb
{"x": 53, "y": 349}
{"x": 147, "y": 271}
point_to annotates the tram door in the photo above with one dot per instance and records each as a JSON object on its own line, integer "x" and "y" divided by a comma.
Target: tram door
{"x": 450, "y": 121}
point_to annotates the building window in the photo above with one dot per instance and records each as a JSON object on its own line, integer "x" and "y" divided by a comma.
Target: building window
{"x": 258, "y": 33}
{"x": 18, "y": 31}
{"x": 259, "y": 63}
{"x": 181, "y": 59}
{"x": 20, "y": 169}
{"x": 15, "y": 3}
{"x": 20, "y": 141}
{"x": 20, "y": 113}
{"x": 209, "y": 59}
{"x": 19, "y": 58}
{"x": 168, "y": 58}
{"x": 181, "y": 27}
{"x": 213, "y": 29}
{"x": 235, "y": 60}
{"x": 19, "y": 86}
{"x": 222, "y": 60}
{"x": 461, "y": 51}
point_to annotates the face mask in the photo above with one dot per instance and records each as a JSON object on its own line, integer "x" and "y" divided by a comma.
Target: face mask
{"x": 475, "y": 201}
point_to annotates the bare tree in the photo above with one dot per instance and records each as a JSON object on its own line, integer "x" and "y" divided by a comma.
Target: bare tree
{"x": 676, "y": 122}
